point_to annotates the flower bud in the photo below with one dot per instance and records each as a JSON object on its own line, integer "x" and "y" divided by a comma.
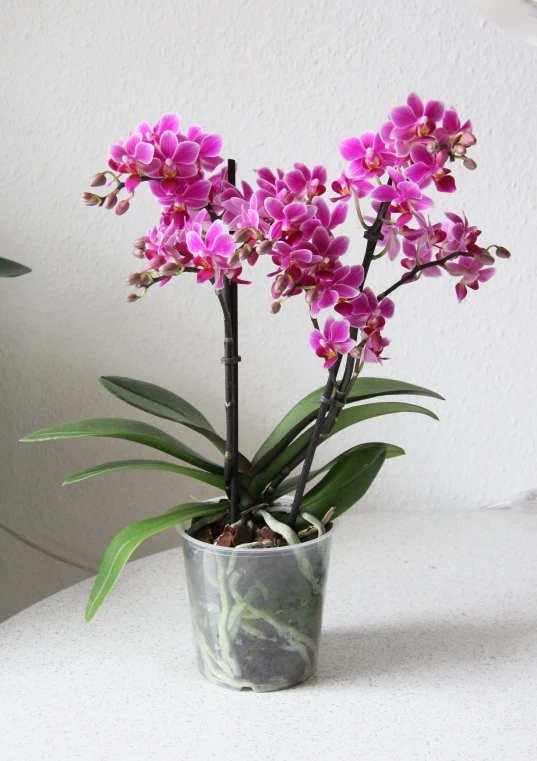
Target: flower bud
{"x": 139, "y": 243}
{"x": 133, "y": 279}
{"x": 502, "y": 252}
{"x": 110, "y": 201}
{"x": 138, "y": 253}
{"x": 234, "y": 258}
{"x": 469, "y": 163}
{"x": 275, "y": 307}
{"x": 157, "y": 261}
{"x": 433, "y": 146}
{"x": 355, "y": 352}
{"x": 485, "y": 258}
{"x": 244, "y": 253}
{"x": 459, "y": 150}
{"x": 242, "y": 236}
{"x": 97, "y": 180}
{"x": 467, "y": 139}
{"x": 312, "y": 294}
{"x": 145, "y": 279}
{"x": 264, "y": 247}
{"x": 280, "y": 284}
{"x": 122, "y": 207}
{"x": 130, "y": 298}
{"x": 168, "y": 269}
{"x": 90, "y": 199}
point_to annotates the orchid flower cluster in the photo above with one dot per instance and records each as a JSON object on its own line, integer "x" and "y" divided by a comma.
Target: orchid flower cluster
{"x": 217, "y": 231}
{"x": 212, "y": 228}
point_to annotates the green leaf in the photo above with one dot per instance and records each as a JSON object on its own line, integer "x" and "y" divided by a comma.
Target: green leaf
{"x": 129, "y": 430}
{"x": 165, "y": 404}
{"x": 305, "y": 412}
{"x": 290, "y": 484}
{"x": 127, "y": 540}
{"x": 8, "y": 268}
{"x": 108, "y": 467}
{"x": 348, "y": 416}
{"x": 346, "y": 482}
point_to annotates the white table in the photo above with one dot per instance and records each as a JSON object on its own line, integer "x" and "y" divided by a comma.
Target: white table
{"x": 429, "y": 653}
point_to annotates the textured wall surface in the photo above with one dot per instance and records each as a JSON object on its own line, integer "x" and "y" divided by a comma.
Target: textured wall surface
{"x": 283, "y": 81}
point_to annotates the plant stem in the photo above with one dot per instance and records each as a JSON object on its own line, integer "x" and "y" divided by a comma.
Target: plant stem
{"x": 232, "y": 294}
{"x": 372, "y": 236}
{"x": 312, "y": 446}
{"x": 419, "y": 268}
{"x": 330, "y": 406}
{"x": 228, "y": 383}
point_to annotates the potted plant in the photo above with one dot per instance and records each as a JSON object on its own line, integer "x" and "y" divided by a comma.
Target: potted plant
{"x": 257, "y": 560}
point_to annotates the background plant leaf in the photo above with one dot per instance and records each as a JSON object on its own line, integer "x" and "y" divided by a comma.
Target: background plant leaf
{"x": 165, "y": 404}
{"x": 305, "y": 412}
{"x": 128, "y": 539}
{"x": 9, "y": 268}
{"x": 107, "y": 467}
{"x": 129, "y": 430}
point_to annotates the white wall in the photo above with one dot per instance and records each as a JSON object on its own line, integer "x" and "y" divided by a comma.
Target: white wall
{"x": 283, "y": 81}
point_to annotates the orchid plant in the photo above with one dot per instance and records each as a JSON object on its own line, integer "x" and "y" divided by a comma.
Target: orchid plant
{"x": 216, "y": 231}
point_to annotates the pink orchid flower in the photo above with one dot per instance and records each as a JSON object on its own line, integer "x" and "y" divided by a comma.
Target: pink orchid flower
{"x": 453, "y": 132}
{"x": 326, "y": 247}
{"x": 134, "y": 157}
{"x": 460, "y": 236}
{"x": 406, "y": 197}
{"x": 272, "y": 186}
{"x": 306, "y": 183}
{"x": 471, "y": 272}
{"x": 416, "y": 254}
{"x": 430, "y": 167}
{"x": 366, "y": 312}
{"x": 152, "y": 134}
{"x": 410, "y": 123}
{"x": 374, "y": 348}
{"x": 287, "y": 219}
{"x": 209, "y": 147}
{"x": 332, "y": 340}
{"x": 338, "y": 287}
{"x": 212, "y": 253}
{"x": 178, "y": 157}
{"x": 425, "y": 235}
{"x": 368, "y": 155}
{"x": 346, "y": 187}
{"x": 286, "y": 256}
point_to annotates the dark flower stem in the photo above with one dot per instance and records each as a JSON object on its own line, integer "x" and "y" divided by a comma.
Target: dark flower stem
{"x": 419, "y": 268}
{"x": 228, "y": 301}
{"x": 223, "y": 297}
{"x": 309, "y": 451}
{"x": 330, "y": 405}
{"x": 234, "y": 309}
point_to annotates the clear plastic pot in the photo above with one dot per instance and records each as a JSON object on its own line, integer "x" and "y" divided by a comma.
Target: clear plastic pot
{"x": 256, "y": 613}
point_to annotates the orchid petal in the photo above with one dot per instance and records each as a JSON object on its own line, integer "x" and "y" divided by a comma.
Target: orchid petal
{"x": 415, "y": 103}
{"x": 403, "y": 116}
{"x": 186, "y": 152}
{"x": 168, "y": 143}
{"x": 144, "y": 153}
{"x": 351, "y": 148}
